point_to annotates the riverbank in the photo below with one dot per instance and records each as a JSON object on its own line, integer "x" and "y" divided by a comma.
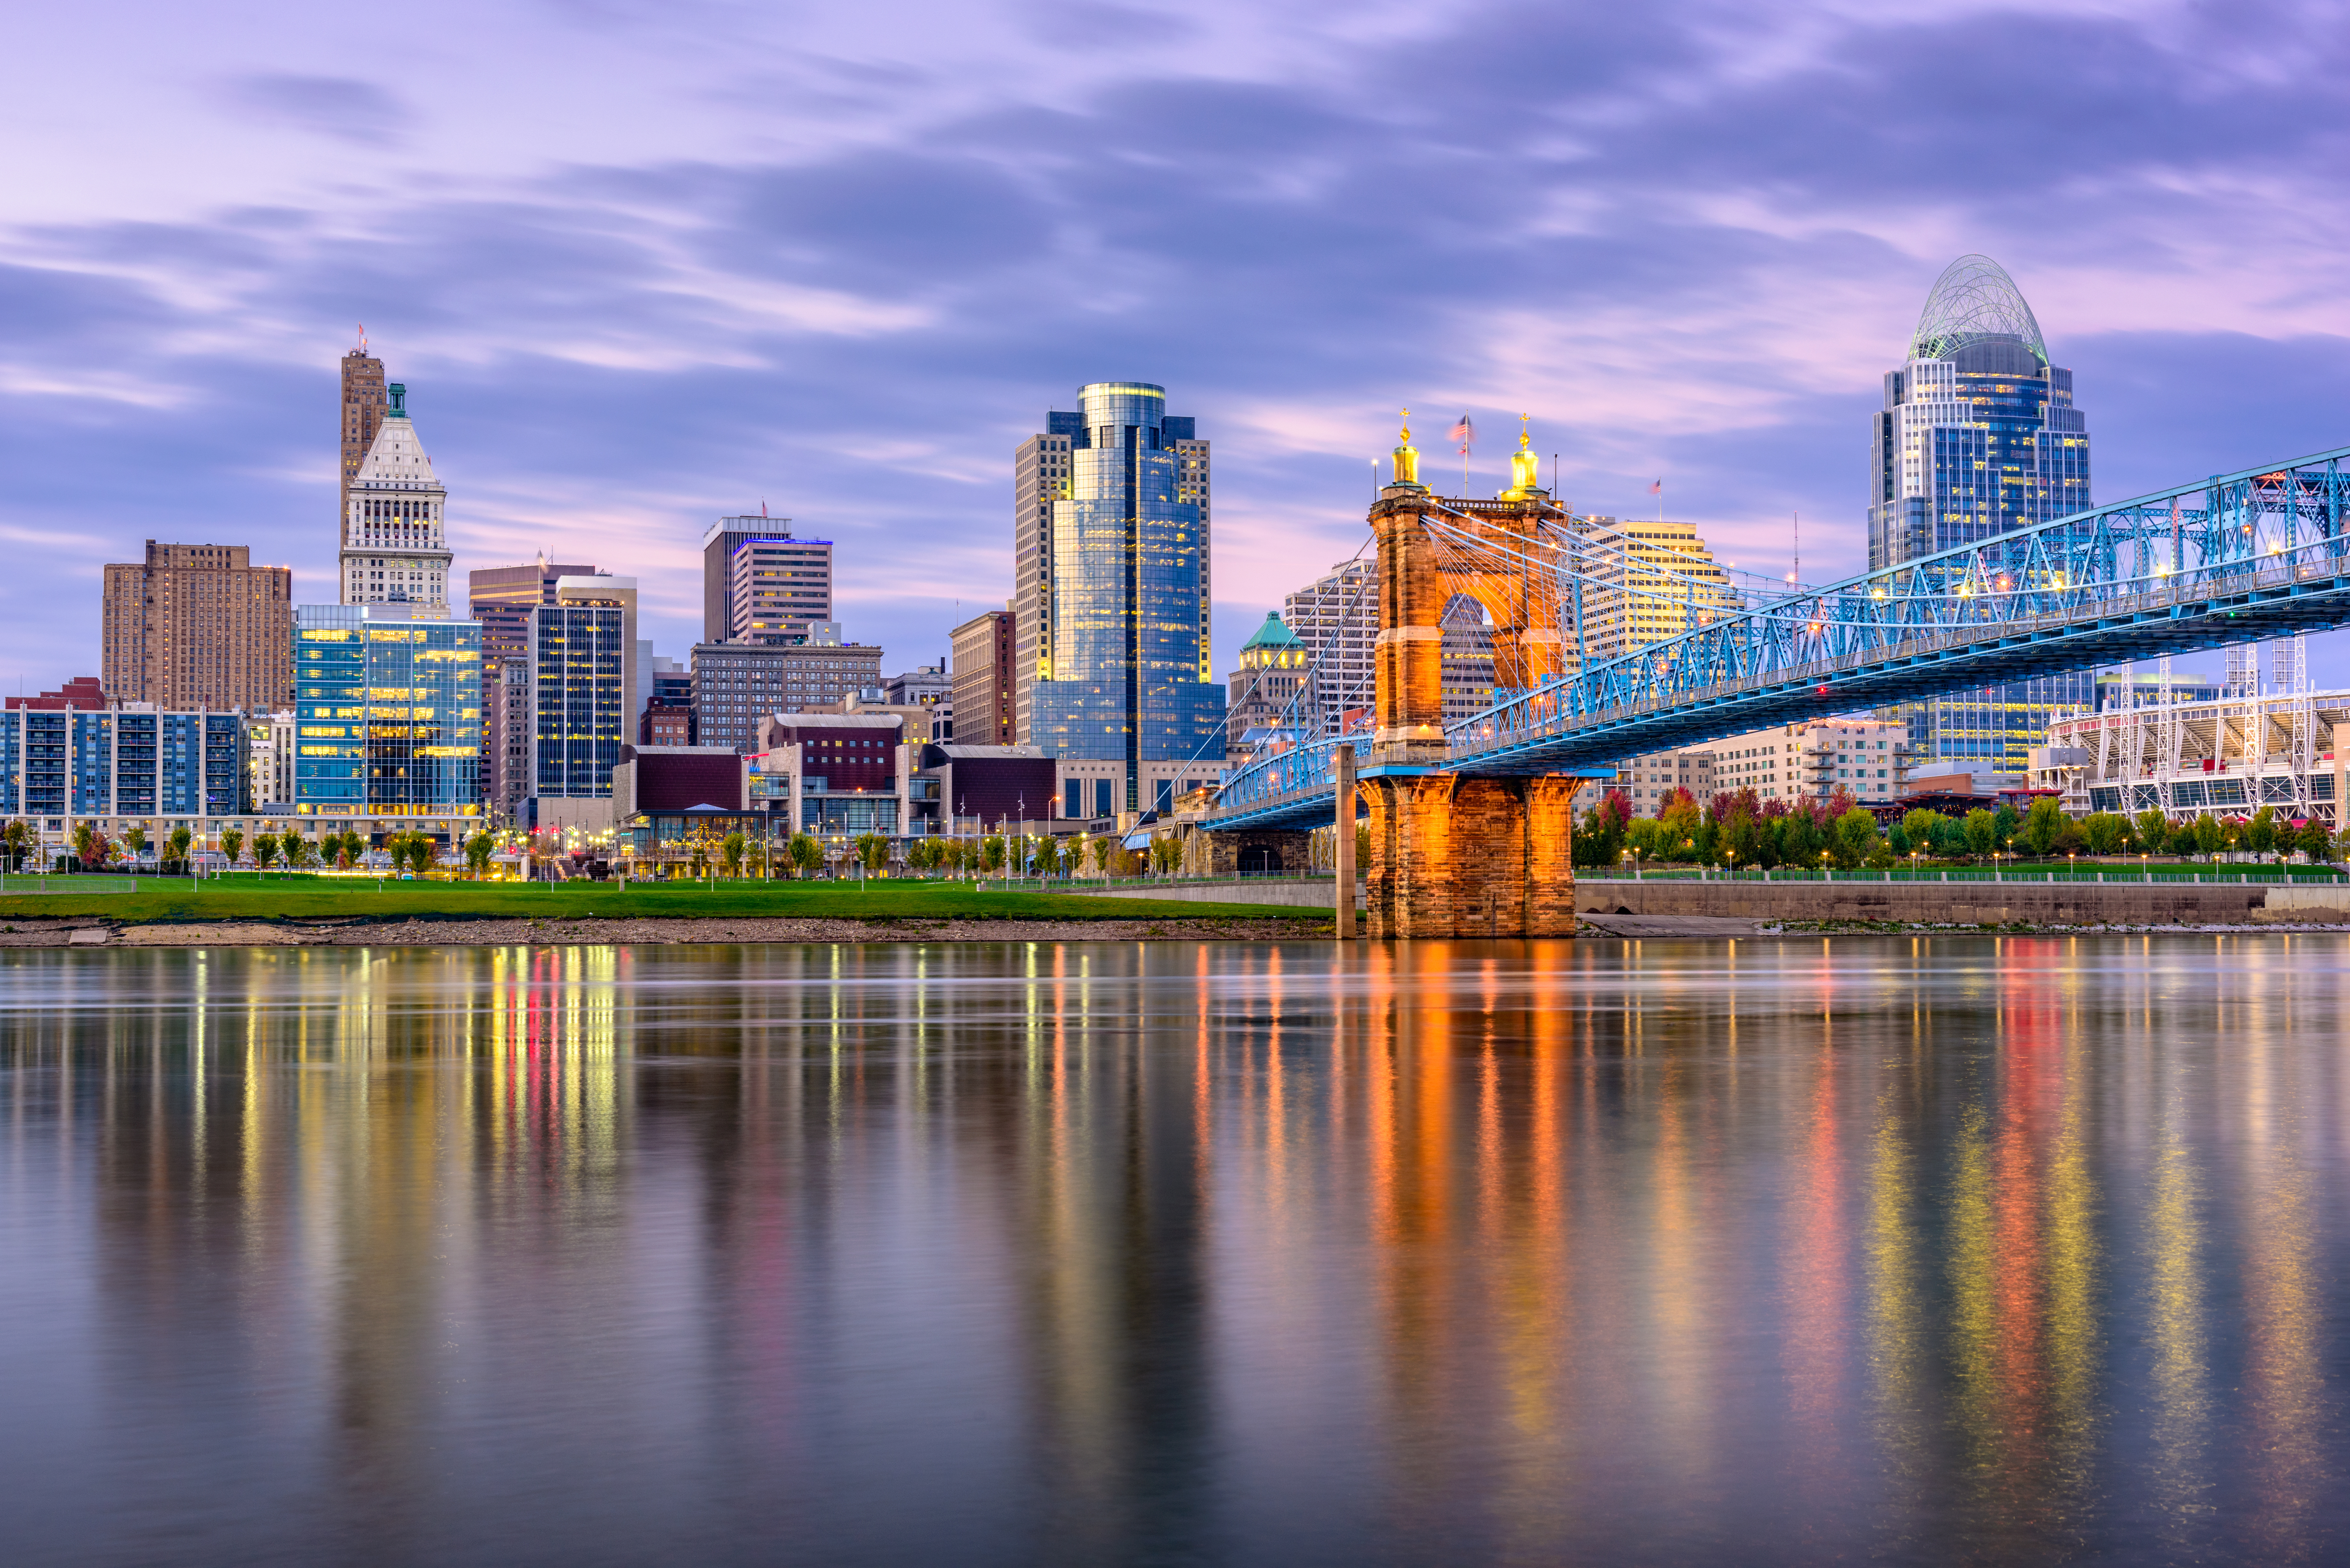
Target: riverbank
{"x": 177, "y": 902}
{"x": 85, "y": 932}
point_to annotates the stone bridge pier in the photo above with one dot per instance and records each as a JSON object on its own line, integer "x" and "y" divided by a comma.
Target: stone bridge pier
{"x": 1455, "y": 855}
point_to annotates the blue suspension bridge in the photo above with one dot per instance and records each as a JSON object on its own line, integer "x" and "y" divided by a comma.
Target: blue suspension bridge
{"x": 2229, "y": 559}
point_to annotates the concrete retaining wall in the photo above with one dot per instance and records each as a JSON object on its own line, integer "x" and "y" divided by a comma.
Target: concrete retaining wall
{"x": 1310, "y": 892}
{"x": 1962, "y": 903}
{"x": 2325, "y": 903}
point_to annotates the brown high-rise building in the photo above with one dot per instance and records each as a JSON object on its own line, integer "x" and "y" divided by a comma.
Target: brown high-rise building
{"x": 200, "y": 627}
{"x": 981, "y": 650}
{"x": 502, "y": 597}
{"x": 364, "y": 402}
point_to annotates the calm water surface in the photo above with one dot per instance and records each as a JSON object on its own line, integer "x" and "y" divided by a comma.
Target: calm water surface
{"x": 1903, "y": 1250}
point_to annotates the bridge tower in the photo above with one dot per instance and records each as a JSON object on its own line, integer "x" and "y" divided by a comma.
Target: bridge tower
{"x": 1453, "y": 855}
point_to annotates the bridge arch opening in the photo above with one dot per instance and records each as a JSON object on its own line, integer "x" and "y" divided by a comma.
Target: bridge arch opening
{"x": 1258, "y": 860}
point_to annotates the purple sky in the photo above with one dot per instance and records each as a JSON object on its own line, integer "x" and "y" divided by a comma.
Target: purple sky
{"x": 640, "y": 264}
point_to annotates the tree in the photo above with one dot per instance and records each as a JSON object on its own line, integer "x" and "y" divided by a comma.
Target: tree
{"x": 1854, "y": 837}
{"x": 2042, "y": 824}
{"x": 15, "y": 841}
{"x": 175, "y": 848}
{"x": 2261, "y": 833}
{"x": 807, "y": 853}
{"x": 295, "y": 849}
{"x": 1679, "y": 821}
{"x": 2209, "y": 835}
{"x": 2312, "y": 841}
{"x": 729, "y": 852}
{"x": 1166, "y": 855}
{"x": 264, "y": 851}
{"x": 1982, "y": 829}
{"x": 1600, "y": 841}
{"x": 1923, "y": 828}
{"x": 135, "y": 838}
{"x": 232, "y": 842}
{"x": 991, "y": 852}
{"x": 1048, "y": 856}
{"x": 2007, "y": 823}
{"x": 2179, "y": 838}
{"x": 2151, "y": 830}
{"x": 2104, "y": 830}
{"x": 478, "y": 850}
{"x": 872, "y": 852}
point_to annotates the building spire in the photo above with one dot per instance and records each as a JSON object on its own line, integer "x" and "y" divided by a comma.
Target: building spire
{"x": 1407, "y": 459}
{"x": 1525, "y": 468}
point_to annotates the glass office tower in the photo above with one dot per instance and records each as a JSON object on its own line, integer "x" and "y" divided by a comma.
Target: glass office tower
{"x": 1120, "y": 644}
{"x": 1977, "y": 436}
{"x": 388, "y": 717}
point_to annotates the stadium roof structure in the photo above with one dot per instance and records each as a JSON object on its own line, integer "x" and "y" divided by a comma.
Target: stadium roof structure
{"x": 1975, "y": 299}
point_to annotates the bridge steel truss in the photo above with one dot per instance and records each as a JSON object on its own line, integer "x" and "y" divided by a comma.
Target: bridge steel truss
{"x": 2234, "y": 558}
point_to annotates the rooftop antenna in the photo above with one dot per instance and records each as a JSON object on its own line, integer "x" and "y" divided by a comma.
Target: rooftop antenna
{"x": 1796, "y": 576}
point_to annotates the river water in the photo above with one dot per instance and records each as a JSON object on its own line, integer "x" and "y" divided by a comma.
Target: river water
{"x": 1960, "y": 1248}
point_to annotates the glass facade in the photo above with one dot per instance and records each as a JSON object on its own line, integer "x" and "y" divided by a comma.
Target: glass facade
{"x": 387, "y": 715}
{"x": 1977, "y": 436}
{"x": 579, "y": 698}
{"x": 1122, "y": 659}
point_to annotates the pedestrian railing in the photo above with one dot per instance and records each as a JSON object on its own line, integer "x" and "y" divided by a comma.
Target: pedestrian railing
{"x": 2204, "y": 875}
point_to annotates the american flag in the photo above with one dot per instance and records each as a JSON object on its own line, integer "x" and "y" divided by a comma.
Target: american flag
{"x": 1657, "y": 488}
{"x": 1464, "y": 434}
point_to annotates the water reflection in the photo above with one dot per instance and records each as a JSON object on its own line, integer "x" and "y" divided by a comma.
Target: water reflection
{"x": 1985, "y": 1250}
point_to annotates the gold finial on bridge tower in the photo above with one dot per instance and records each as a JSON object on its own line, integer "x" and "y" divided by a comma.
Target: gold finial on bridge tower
{"x": 1407, "y": 459}
{"x": 1525, "y": 468}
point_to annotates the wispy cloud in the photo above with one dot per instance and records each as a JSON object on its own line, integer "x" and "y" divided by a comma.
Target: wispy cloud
{"x": 640, "y": 266}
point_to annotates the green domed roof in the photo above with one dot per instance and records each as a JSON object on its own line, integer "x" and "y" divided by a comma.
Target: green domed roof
{"x": 1274, "y": 633}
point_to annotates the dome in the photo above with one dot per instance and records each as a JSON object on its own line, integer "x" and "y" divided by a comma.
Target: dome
{"x": 1974, "y": 300}
{"x": 1274, "y": 633}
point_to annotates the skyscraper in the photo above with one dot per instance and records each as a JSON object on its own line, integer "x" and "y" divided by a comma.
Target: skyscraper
{"x": 364, "y": 402}
{"x": 503, "y": 599}
{"x": 389, "y": 710}
{"x": 767, "y": 595}
{"x": 394, "y": 548}
{"x": 583, "y": 652}
{"x": 1655, "y": 581}
{"x": 199, "y": 625}
{"x": 1338, "y": 618}
{"x": 982, "y": 648}
{"x": 1977, "y": 436}
{"x": 1110, "y": 542}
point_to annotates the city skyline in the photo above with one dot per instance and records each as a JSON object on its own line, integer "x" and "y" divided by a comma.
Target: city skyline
{"x": 755, "y": 317}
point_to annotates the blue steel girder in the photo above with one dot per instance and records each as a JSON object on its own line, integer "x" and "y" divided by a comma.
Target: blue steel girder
{"x": 2234, "y": 558}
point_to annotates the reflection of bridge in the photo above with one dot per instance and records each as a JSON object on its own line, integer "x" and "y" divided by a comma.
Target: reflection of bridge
{"x": 2229, "y": 559}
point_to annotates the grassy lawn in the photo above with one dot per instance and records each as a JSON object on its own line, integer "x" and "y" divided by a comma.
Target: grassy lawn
{"x": 888, "y": 899}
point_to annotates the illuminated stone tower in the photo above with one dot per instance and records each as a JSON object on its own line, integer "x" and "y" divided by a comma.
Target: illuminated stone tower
{"x": 394, "y": 548}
